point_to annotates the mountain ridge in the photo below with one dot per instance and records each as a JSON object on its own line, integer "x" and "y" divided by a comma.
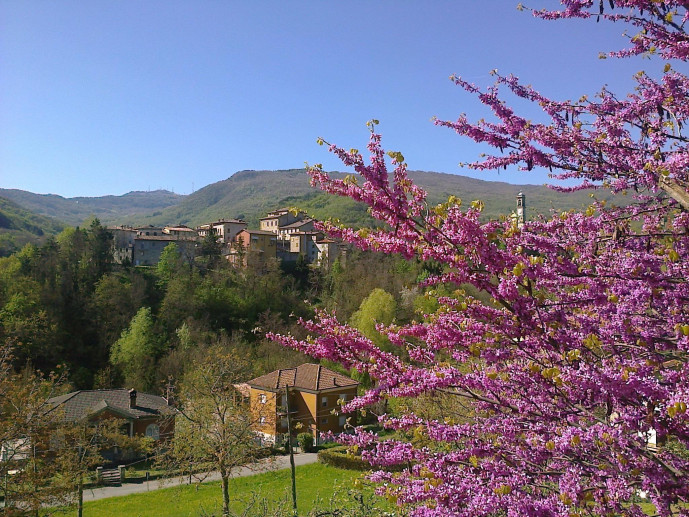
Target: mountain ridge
{"x": 249, "y": 194}
{"x": 76, "y": 210}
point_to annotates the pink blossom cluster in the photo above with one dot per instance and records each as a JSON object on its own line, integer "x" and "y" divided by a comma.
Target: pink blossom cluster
{"x": 580, "y": 356}
{"x": 659, "y": 24}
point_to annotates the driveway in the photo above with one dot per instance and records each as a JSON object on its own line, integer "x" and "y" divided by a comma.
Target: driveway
{"x": 274, "y": 463}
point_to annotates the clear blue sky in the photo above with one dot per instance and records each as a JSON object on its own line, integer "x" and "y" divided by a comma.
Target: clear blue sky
{"x": 111, "y": 96}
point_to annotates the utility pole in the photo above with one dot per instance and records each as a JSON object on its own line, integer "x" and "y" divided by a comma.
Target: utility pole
{"x": 34, "y": 472}
{"x": 291, "y": 452}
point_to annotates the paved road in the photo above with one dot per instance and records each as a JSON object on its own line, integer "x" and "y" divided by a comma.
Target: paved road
{"x": 275, "y": 463}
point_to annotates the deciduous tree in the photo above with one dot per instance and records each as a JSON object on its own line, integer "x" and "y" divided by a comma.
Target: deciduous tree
{"x": 580, "y": 355}
{"x": 25, "y": 476}
{"x": 215, "y": 428}
{"x": 77, "y": 448}
{"x": 136, "y": 351}
{"x": 170, "y": 262}
{"x": 378, "y": 308}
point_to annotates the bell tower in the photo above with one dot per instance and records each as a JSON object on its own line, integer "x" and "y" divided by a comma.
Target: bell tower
{"x": 521, "y": 209}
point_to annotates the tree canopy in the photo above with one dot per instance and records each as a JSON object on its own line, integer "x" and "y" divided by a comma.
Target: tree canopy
{"x": 136, "y": 351}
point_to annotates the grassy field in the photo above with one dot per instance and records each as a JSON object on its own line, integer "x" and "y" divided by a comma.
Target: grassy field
{"x": 314, "y": 482}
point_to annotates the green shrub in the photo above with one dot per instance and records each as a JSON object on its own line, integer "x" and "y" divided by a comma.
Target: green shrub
{"x": 340, "y": 457}
{"x": 326, "y": 445}
{"x": 329, "y": 445}
{"x": 305, "y": 441}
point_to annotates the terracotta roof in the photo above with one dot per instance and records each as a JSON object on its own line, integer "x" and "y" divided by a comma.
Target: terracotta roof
{"x": 80, "y": 404}
{"x": 307, "y": 376}
{"x": 243, "y": 388}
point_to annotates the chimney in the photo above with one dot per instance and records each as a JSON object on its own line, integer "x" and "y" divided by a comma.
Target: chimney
{"x": 132, "y": 398}
{"x": 169, "y": 393}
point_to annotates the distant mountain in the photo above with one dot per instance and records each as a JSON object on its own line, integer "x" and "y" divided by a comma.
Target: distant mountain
{"x": 245, "y": 194}
{"x": 19, "y": 226}
{"x": 499, "y": 197}
{"x": 251, "y": 194}
{"x": 74, "y": 211}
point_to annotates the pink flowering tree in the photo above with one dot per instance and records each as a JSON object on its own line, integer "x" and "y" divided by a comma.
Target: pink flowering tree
{"x": 579, "y": 358}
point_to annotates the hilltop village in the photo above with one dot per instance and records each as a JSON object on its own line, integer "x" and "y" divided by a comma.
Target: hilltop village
{"x": 283, "y": 234}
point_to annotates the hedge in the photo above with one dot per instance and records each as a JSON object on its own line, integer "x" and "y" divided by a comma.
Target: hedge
{"x": 339, "y": 457}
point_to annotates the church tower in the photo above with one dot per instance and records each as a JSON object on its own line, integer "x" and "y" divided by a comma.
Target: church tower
{"x": 521, "y": 209}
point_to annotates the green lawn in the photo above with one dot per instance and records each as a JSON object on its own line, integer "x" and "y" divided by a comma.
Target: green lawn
{"x": 314, "y": 482}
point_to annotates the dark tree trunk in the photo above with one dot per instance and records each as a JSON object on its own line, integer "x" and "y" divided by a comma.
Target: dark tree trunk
{"x": 80, "y": 501}
{"x": 225, "y": 493}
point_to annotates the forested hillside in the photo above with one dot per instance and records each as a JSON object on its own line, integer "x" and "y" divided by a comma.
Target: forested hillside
{"x": 246, "y": 195}
{"x": 64, "y": 305}
{"x": 19, "y": 226}
{"x": 250, "y": 194}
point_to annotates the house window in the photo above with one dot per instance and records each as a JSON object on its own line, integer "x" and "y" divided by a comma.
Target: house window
{"x": 153, "y": 431}
{"x": 342, "y": 398}
{"x": 324, "y": 402}
{"x": 324, "y": 420}
{"x": 343, "y": 421}
{"x": 262, "y": 398}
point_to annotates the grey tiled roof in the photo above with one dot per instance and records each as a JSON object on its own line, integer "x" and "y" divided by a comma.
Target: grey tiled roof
{"x": 307, "y": 376}
{"x": 80, "y": 404}
{"x": 259, "y": 232}
{"x": 298, "y": 224}
{"x": 164, "y": 237}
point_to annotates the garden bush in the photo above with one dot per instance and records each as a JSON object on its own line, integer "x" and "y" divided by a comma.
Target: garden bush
{"x": 305, "y": 441}
{"x": 340, "y": 457}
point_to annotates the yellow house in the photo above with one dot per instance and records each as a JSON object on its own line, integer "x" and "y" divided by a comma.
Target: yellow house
{"x": 225, "y": 229}
{"x": 277, "y": 218}
{"x": 253, "y": 247}
{"x": 313, "y": 391}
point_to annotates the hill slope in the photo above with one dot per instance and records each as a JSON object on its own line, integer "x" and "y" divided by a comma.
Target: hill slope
{"x": 76, "y": 210}
{"x": 19, "y": 226}
{"x": 250, "y": 194}
{"x": 246, "y": 194}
